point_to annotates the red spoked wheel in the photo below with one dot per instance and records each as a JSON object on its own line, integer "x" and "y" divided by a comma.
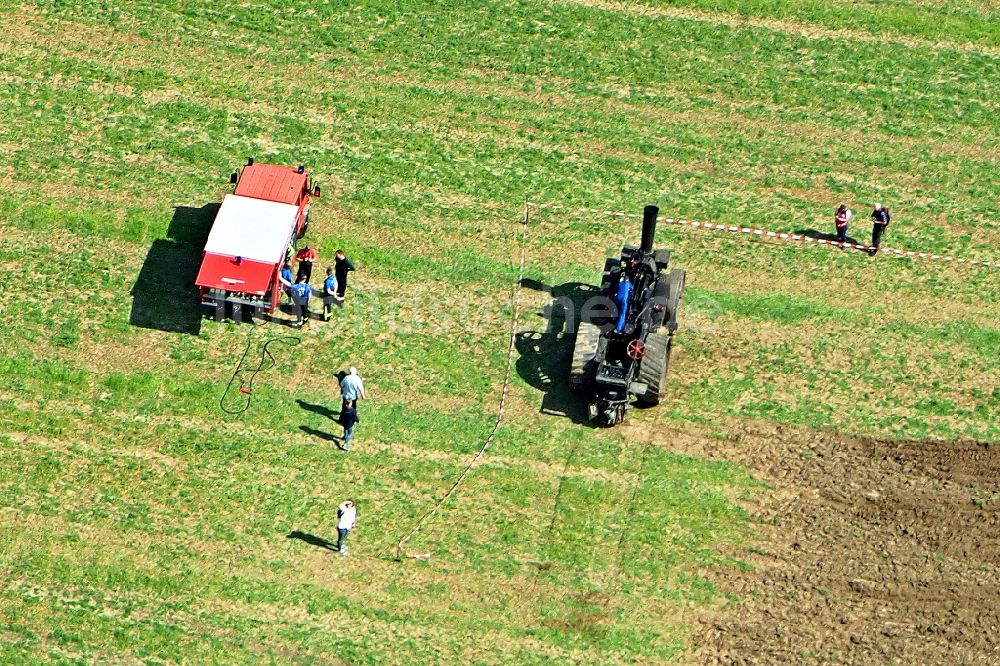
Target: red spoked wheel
{"x": 636, "y": 350}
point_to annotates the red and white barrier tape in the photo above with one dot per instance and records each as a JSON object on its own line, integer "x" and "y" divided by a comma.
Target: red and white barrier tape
{"x": 779, "y": 235}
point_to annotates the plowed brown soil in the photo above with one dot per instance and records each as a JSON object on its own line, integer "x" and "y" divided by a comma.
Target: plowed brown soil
{"x": 866, "y": 552}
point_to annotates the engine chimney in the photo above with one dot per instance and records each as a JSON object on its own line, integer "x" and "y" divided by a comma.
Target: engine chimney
{"x": 649, "y": 214}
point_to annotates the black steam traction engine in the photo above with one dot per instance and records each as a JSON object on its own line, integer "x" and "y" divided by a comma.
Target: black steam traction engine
{"x": 623, "y": 343}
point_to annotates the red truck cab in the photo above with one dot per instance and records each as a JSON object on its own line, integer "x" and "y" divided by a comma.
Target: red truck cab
{"x": 251, "y": 237}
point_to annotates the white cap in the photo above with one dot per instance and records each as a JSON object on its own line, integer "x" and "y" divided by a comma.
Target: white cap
{"x": 352, "y": 370}
{"x": 878, "y": 206}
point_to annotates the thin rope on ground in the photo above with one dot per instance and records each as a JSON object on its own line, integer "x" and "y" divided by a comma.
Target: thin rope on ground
{"x": 503, "y": 399}
{"x": 246, "y": 386}
{"x": 778, "y": 235}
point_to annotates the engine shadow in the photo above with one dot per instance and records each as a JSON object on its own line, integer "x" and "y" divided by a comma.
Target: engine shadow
{"x": 164, "y": 297}
{"x": 312, "y": 540}
{"x": 544, "y": 356}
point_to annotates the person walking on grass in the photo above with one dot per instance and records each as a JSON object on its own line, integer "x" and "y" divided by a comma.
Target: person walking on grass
{"x": 347, "y": 518}
{"x": 306, "y": 256}
{"x": 841, "y": 220}
{"x": 348, "y": 419}
{"x": 351, "y": 386}
{"x": 300, "y": 292}
{"x": 880, "y": 220}
{"x": 342, "y": 266}
{"x": 330, "y": 294}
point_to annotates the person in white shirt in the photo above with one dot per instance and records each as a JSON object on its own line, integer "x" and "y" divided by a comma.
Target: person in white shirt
{"x": 347, "y": 516}
{"x": 351, "y": 386}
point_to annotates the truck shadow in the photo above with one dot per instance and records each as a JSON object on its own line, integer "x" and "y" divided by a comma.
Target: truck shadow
{"x": 164, "y": 296}
{"x": 544, "y": 356}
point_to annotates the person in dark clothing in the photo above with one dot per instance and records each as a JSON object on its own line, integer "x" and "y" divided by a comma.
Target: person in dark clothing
{"x": 880, "y": 220}
{"x": 342, "y": 266}
{"x": 348, "y": 419}
{"x": 306, "y": 256}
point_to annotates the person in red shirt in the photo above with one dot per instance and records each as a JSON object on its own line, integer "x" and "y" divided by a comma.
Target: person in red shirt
{"x": 306, "y": 256}
{"x": 841, "y": 220}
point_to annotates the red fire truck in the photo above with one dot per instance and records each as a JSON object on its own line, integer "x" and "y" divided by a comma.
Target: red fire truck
{"x": 250, "y": 239}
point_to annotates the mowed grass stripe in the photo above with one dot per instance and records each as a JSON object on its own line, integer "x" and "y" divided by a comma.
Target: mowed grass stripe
{"x": 976, "y": 338}
{"x": 898, "y": 23}
{"x": 788, "y": 188}
{"x": 945, "y": 202}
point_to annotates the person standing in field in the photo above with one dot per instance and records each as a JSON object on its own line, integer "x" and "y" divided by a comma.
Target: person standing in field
{"x": 306, "y": 256}
{"x": 300, "y": 293}
{"x": 352, "y": 389}
{"x": 348, "y": 419}
{"x": 286, "y": 279}
{"x": 880, "y": 220}
{"x": 351, "y": 386}
{"x": 347, "y": 518}
{"x": 841, "y": 220}
{"x": 342, "y": 266}
{"x": 330, "y": 294}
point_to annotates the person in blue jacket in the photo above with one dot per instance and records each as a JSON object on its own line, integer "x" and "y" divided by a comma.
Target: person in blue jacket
{"x": 286, "y": 279}
{"x": 330, "y": 294}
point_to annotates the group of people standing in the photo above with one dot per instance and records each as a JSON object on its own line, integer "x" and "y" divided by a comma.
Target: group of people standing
{"x": 880, "y": 220}
{"x": 300, "y": 291}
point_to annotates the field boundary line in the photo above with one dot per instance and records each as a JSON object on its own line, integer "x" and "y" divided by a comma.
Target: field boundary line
{"x": 500, "y": 409}
{"x": 777, "y": 235}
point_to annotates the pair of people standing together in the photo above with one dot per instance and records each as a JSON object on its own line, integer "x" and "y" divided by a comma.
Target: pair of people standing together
{"x": 880, "y": 220}
{"x": 352, "y": 389}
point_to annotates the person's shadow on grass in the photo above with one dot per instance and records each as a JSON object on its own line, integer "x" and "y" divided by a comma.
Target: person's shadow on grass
{"x": 325, "y": 436}
{"x": 322, "y": 410}
{"x": 822, "y": 235}
{"x": 312, "y": 540}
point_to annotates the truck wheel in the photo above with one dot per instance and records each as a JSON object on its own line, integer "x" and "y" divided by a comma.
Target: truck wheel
{"x": 582, "y": 370}
{"x": 654, "y": 366}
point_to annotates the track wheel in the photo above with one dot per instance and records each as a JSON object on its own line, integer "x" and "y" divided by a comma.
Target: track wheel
{"x": 582, "y": 370}
{"x": 653, "y": 368}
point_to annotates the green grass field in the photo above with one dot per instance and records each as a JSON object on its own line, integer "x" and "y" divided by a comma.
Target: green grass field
{"x": 143, "y": 524}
